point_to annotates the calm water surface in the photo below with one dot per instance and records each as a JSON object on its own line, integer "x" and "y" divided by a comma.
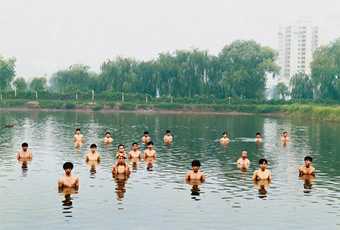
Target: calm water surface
{"x": 160, "y": 199}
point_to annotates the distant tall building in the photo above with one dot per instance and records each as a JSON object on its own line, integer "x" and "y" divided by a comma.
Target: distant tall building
{"x": 297, "y": 44}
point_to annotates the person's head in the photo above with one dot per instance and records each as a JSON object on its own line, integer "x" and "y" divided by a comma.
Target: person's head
{"x": 263, "y": 163}
{"x": 24, "y": 146}
{"x": 195, "y": 164}
{"x": 168, "y": 132}
{"x": 146, "y": 134}
{"x": 121, "y": 148}
{"x": 285, "y": 134}
{"x": 258, "y": 135}
{"x": 225, "y": 134}
{"x": 68, "y": 166}
{"x": 149, "y": 145}
{"x": 244, "y": 154}
{"x": 77, "y": 131}
{"x": 121, "y": 159}
{"x": 93, "y": 148}
{"x": 135, "y": 146}
{"x": 308, "y": 161}
{"x": 107, "y": 134}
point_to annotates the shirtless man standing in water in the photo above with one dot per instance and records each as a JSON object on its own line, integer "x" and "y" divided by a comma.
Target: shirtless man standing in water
{"x": 92, "y": 155}
{"x": 168, "y": 138}
{"x": 195, "y": 174}
{"x": 146, "y": 137}
{"x": 120, "y": 167}
{"x": 68, "y": 180}
{"x": 285, "y": 137}
{"x": 135, "y": 153}
{"x": 121, "y": 151}
{"x": 108, "y": 138}
{"x": 243, "y": 162}
{"x": 262, "y": 173}
{"x": 78, "y": 138}
{"x": 149, "y": 152}
{"x": 24, "y": 154}
{"x": 224, "y": 140}
{"x": 149, "y": 156}
{"x": 307, "y": 168}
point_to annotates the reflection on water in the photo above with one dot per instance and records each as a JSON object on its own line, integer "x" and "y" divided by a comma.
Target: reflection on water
{"x": 67, "y": 203}
{"x": 262, "y": 186}
{"x": 307, "y": 182}
{"x": 120, "y": 189}
{"x": 294, "y": 203}
{"x": 195, "y": 189}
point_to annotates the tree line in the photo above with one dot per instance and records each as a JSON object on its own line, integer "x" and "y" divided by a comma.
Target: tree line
{"x": 239, "y": 70}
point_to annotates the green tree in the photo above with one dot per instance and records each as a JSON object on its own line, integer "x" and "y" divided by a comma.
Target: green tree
{"x": 74, "y": 79}
{"x": 326, "y": 71}
{"x": 20, "y": 84}
{"x": 281, "y": 91}
{"x": 244, "y": 66}
{"x": 302, "y": 87}
{"x": 7, "y": 72}
{"x": 38, "y": 84}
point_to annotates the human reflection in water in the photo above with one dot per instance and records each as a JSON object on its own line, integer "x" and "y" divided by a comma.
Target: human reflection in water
{"x": 24, "y": 167}
{"x": 262, "y": 186}
{"x": 67, "y": 203}
{"x": 120, "y": 179}
{"x": 307, "y": 182}
{"x": 195, "y": 188}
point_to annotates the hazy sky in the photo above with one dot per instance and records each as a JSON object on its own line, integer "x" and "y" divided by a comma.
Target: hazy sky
{"x": 46, "y": 35}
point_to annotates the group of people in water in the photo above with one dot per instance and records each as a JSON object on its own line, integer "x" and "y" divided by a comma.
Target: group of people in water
{"x": 121, "y": 169}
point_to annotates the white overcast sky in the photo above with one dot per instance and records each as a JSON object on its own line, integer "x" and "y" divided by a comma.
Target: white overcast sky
{"x": 47, "y": 35}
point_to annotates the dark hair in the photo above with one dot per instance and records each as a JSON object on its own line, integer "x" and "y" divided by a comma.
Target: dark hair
{"x": 258, "y": 133}
{"x": 284, "y": 132}
{"x": 93, "y": 146}
{"x": 77, "y": 129}
{"x": 107, "y": 133}
{"x": 196, "y": 163}
{"x": 24, "y": 144}
{"x": 150, "y": 143}
{"x": 68, "y": 165}
{"x": 134, "y": 143}
{"x": 121, "y": 145}
{"x": 146, "y": 132}
{"x": 261, "y": 161}
{"x": 226, "y": 133}
{"x": 308, "y": 158}
{"x": 167, "y": 131}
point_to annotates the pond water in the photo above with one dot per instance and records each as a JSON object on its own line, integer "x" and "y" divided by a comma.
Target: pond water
{"x": 160, "y": 199}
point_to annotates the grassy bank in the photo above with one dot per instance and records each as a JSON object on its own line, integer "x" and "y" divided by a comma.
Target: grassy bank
{"x": 309, "y": 111}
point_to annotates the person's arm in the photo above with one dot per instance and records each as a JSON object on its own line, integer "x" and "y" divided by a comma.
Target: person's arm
{"x": 203, "y": 177}
{"x": 114, "y": 169}
{"x": 187, "y": 176}
{"x": 255, "y": 176}
{"x": 87, "y": 158}
{"x": 313, "y": 172}
{"x": 76, "y": 185}
{"x": 98, "y": 159}
{"x": 30, "y": 155}
{"x": 18, "y": 156}
{"x": 300, "y": 172}
{"x": 60, "y": 184}
{"x": 238, "y": 162}
{"x": 270, "y": 176}
{"x": 127, "y": 170}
